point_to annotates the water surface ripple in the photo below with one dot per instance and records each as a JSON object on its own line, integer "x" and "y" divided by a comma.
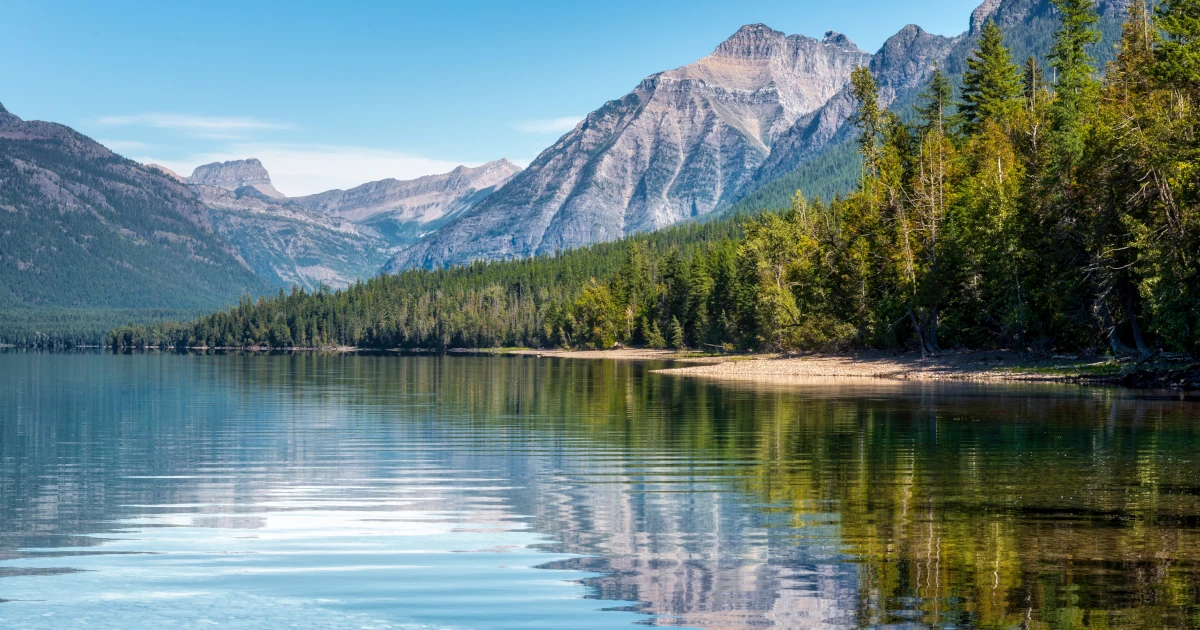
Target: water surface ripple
{"x": 250, "y": 491}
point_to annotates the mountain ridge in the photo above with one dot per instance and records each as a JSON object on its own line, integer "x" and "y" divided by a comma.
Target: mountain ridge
{"x": 81, "y": 226}
{"x": 337, "y": 237}
{"x": 590, "y": 186}
{"x": 683, "y": 142}
{"x": 423, "y": 199}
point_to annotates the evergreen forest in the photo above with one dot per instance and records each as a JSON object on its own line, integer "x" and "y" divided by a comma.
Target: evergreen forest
{"x": 1036, "y": 206}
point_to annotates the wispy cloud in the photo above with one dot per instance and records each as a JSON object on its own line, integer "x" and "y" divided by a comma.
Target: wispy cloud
{"x": 550, "y": 125}
{"x": 204, "y": 126}
{"x": 306, "y": 169}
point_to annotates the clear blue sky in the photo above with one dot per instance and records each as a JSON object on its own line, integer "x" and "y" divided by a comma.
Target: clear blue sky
{"x": 338, "y": 93}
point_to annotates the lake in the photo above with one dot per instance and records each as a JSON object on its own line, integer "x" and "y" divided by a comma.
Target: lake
{"x": 255, "y": 491}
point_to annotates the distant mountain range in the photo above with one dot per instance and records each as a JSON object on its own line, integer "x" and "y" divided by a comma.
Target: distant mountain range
{"x": 694, "y": 140}
{"x": 763, "y": 114}
{"x": 336, "y": 237}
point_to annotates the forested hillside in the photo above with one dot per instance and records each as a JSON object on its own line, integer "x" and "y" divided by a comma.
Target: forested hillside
{"x": 83, "y": 228}
{"x": 1016, "y": 212}
{"x": 1029, "y": 28}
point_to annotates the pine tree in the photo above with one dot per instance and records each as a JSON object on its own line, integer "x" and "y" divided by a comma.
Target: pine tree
{"x": 1074, "y": 86}
{"x": 868, "y": 118}
{"x": 653, "y": 335}
{"x": 677, "y": 338}
{"x": 1070, "y": 57}
{"x": 934, "y": 103}
{"x": 1135, "y": 56}
{"x": 1178, "y": 53}
{"x": 992, "y": 83}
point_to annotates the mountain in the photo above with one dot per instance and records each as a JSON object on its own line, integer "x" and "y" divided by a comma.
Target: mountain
{"x": 233, "y": 175}
{"x": 763, "y": 113}
{"x": 405, "y": 209}
{"x": 820, "y": 160}
{"x": 83, "y": 227}
{"x": 678, "y": 146}
{"x": 901, "y": 68}
{"x": 168, "y": 172}
{"x": 336, "y": 237}
{"x": 289, "y": 245}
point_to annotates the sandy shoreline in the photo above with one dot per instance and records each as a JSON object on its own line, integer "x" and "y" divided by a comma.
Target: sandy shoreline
{"x": 965, "y": 366}
{"x": 624, "y": 354}
{"x": 961, "y": 366}
{"x": 995, "y": 366}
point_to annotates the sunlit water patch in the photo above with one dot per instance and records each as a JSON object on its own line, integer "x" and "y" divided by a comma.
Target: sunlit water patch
{"x": 143, "y": 491}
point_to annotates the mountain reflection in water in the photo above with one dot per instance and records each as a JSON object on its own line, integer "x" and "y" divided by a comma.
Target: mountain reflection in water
{"x": 516, "y": 492}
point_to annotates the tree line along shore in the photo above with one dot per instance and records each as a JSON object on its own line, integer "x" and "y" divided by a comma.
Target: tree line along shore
{"x": 1016, "y": 212}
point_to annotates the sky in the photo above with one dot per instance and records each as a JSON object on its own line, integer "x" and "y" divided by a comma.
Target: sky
{"x": 335, "y": 94}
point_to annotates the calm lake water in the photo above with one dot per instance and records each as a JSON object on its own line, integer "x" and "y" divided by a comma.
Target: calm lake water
{"x": 155, "y": 491}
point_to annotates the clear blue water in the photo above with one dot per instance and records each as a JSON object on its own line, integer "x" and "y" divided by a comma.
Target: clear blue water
{"x": 159, "y": 490}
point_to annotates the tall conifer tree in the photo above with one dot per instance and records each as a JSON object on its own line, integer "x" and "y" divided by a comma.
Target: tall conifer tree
{"x": 1031, "y": 80}
{"x": 868, "y": 118}
{"x": 1179, "y": 52}
{"x": 992, "y": 83}
{"x": 1074, "y": 68}
{"x": 934, "y": 103}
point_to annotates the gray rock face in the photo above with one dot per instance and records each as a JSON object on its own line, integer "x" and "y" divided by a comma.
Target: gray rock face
{"x": 406, "y": 209}
{"x": 680, "y": 145}
{"x": 901, "y": 67}
{"x": 287, "y": 244}
{"x": 337, "y": 237}
{"x": 235, "y": 174}
{"x": 698, "y": 138}
{"x": 982, "y": 13}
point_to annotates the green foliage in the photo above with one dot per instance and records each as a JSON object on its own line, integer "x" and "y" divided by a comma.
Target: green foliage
{"x": 935, "y": 102}
{"x": 868, "y": 118}
{"x": 992, "y": 83}
{"x": 1075, "y": 84}
{"x": 120, "y": 240}
{"x": 653, "y": 336}
{"x": 74, "y": 327}
{"x": 834, "y": 172}
{"x": 1061, "y": 221}
{"x": 678, "y": 341}
{"x": 1032, "y": 82}
{"x": 1178, "y": 54}
{"x": 597, "y": 317}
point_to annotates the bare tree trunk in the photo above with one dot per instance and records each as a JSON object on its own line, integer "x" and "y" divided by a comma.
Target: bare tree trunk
{"x": 1138, "y": 340}
{"x": 933, "y": 328}
{"x": 920, "y": 330}
{"x": 1118, "y": 347}
{"x": 1020, "y": 313}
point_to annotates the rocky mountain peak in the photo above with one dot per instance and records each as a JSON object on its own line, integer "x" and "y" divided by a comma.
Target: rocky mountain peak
{"x": 415, "y": 202}
{"x": 491, "y": 173}
{"x": 235, "y": 174}
{"x": 752, "y": 41}
{"x": 683, "y": 143}
{"x": 834, "y": 38}
{"x": 2, "y": 110}
{"x": 982, "y": 14}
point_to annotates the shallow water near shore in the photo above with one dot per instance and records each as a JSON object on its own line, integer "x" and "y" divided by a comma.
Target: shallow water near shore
{"x": 278, "y": 491}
